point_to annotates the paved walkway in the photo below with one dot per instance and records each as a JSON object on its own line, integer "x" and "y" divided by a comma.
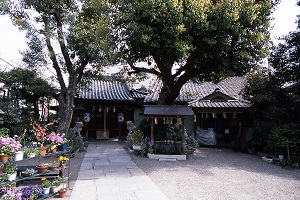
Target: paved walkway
{"x": 107, "y": 172}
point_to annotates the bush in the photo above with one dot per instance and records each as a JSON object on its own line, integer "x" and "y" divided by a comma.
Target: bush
{"x": 282, "y": 135}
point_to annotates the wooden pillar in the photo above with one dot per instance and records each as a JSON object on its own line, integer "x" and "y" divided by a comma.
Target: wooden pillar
{"x": 87, "y": 130}
{"x": 152, "y": 128}
{"x": 104, "y": 125}
{"x": 182, "y": 134}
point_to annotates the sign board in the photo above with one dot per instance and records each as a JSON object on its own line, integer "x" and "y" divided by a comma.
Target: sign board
{"x": 87, "y": 117}
{"x": 120, "y": 117}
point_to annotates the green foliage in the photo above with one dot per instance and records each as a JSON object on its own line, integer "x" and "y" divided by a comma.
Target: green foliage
{"x": 203, "y": 39}
{"x": 283, "y": 137}
{"x": 137, "y": 137}
{"x": 174, "y": 132}
{"x": 271, "y": 105}
{"x": 285, "y": 57}
{"x": 4, "y": 132}
{"x": 145, "y": 126}
{"x": 26, "y": 91}
{"x": 79, "y": 30}
{"x": 190, "y": 142}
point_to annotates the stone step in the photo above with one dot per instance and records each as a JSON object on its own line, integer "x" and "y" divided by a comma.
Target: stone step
{"x": 161, "y": 156}
{"x": 168, "y": 159}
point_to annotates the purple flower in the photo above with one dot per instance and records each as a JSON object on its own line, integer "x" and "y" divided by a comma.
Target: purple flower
{"x": 56, "y": 138}
{"x": 9, "y": 145}
{"x": 31, "y": 190}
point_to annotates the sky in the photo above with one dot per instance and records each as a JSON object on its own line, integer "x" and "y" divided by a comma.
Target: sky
{"x": 12, "y": 40}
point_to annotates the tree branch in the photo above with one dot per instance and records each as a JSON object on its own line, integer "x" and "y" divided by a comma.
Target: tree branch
{"x": 79, "y": 70}
{"x": 53, "y": 57}
{"x": 61, "y": 41}
{"x": 142, "y": 69}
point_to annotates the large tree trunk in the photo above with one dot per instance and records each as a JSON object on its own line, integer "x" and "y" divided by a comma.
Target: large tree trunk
{"x": 66, "y": 105}
{"x": 65, "y": 112}
{"x": 168, "y": 94}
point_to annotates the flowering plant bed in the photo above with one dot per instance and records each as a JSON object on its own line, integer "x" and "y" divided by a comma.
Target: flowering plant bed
{"x": 34, "y": 191}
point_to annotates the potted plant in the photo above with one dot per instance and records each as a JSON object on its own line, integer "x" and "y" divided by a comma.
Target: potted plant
{"x": 8, "y": 146}
{"x": 46, "y": 184}
{"x": 53, "y": 165}
{"x": 28, "y": 172}
{"x": 42, "y": 167}
{"x": 31, "y": 152}
{"x": 31, "y": 191}
{"x": 63, "y": 161}
{"x": 55, "y": 139}
{"x": 8, "y": 191}
{"x": 40, "y": 133}
{"x": 56, "y": 182}
{"x": 190, "y": 144}
{"x": 63, "y": 191}
{"x": 9, "y": 169}
{"x": 136, "y": 138}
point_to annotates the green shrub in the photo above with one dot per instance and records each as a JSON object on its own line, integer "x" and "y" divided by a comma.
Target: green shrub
{"x": 282, "y": 135}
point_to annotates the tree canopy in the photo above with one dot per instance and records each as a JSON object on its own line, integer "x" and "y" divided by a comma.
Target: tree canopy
{"x": 23, "y": 92}
{"x": 181, "y": 40}
{"x": 65, "y": 36}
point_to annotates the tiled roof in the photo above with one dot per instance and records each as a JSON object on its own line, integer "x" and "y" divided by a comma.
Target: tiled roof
{"x": 194, "y": 93}
{"x": 108, "y": 91}
{"x": 216, "y": 104}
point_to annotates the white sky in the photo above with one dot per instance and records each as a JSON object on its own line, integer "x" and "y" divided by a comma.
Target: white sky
{"x": 12, "y": 40}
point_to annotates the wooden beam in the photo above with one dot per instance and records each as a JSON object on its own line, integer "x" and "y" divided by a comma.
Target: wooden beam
{"x": 152, "y": 128}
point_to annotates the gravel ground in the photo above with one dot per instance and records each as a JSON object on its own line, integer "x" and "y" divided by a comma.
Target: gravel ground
{"x": 222, "y": 174}
{"x": 213, "y": 174}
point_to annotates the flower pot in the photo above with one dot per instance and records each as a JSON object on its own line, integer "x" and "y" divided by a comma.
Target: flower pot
{"x": 41, "y": 169}
{"x": 43, "y": 151}
{"x": 189, "y": 151}
{"x": 53, "y": 189}
{"x": 64, "y": 147}
{"x": 30, "y": 155}
{"x": 19, "y": 155}
{"x": 52, "y": 168}
{"x": 54, "y": 150}
{"x": 62, "y": 193}
{"x": 4, "y": 158}
{"x": 136, "y": 147}
{"x": 149, "y": 155}
{"x": 11, "y": 177}
{"x": 46, "y": 190}
{"x": 63, "y": 164}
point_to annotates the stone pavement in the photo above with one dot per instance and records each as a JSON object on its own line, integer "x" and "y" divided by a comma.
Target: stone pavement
{"x": 107, "y": 172}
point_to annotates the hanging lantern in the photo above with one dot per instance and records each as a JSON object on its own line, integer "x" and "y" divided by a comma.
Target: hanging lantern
{"x": 155, "y": 121}
{"x": 100, "y": 109}
{"x": 114, "y": 109}
{"x": 214, "y": 115}
{"x": 206, "y": 116}
{"x": 224, "y": 116}
{"x": 164, "y": 120}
